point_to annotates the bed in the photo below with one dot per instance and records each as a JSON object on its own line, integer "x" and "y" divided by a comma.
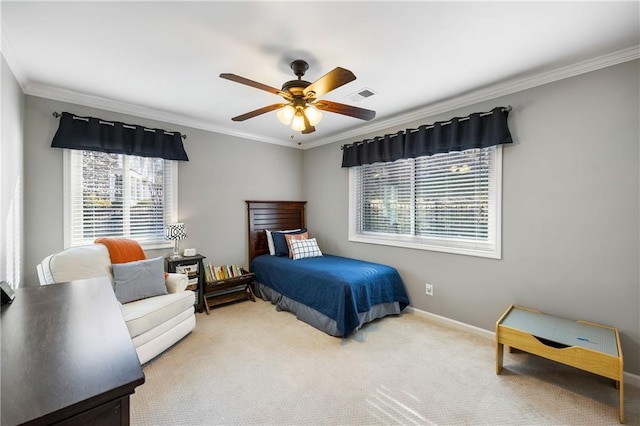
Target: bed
{"x": 334, "y": 294}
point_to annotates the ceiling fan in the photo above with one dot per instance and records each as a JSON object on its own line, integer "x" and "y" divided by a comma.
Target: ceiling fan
{"x": 302, "y": 104}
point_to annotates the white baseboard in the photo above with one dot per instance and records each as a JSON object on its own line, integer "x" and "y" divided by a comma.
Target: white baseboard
{"x": 629, "y": 378}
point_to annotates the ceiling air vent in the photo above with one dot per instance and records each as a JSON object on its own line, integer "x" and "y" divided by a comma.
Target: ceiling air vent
{"x": 361, "y": 94}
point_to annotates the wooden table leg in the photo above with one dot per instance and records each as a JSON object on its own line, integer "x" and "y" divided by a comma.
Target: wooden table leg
{"x": 205, "y": 303}
{"x": 250, "y": 291}
{"x": 620, "y": 384}
{"x": 500, "y": 346}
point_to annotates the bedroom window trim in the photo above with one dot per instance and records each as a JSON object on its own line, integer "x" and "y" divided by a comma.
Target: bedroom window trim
{"x": 493, "y": 249}
{"x": 170, "y": 205}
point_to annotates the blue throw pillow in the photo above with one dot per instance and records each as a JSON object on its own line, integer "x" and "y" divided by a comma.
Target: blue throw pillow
{"x": 139, "y": 280}
{"x": 280, "y": 242}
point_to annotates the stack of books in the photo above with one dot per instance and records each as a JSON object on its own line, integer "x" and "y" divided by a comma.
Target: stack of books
{"x": 222, "y": 272}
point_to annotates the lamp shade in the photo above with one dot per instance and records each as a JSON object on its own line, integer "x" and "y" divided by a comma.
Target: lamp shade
{"x": 295, "y": 116}
{"x": 313, "y": 115}
{"x": 297, "y": 123}
{"x": 175, "y": 231}
{"x": 285, "y": 114}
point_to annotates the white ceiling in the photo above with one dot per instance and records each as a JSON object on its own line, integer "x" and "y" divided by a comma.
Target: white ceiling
{"x": 162, "y": 60}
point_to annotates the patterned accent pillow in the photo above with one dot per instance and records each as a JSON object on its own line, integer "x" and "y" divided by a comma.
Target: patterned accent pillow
{"x": 305, "y": 248}
{"x": 289, "y": 237}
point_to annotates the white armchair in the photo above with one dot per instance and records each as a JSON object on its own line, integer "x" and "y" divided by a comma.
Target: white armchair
{"x": 154, "y": 323}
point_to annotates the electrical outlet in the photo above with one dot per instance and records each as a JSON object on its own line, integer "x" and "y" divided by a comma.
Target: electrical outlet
{"x": 428, "y": 289}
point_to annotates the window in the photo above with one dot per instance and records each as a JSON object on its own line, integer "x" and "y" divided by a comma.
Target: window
{"x": 115, "y": 195}
{"x": 445, "y": 202}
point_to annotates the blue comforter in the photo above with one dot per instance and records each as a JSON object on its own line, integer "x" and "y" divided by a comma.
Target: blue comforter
{"x": 338, "y": 287}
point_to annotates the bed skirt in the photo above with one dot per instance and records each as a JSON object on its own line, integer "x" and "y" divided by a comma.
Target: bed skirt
{"x": 317, "y": 319}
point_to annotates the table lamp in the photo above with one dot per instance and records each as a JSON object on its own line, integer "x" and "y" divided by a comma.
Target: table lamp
{"x": 175, "y": 232}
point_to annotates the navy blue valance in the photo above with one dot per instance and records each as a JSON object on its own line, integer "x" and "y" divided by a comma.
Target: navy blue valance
{"x": 94, "y": 134}
{"x": 478, "y": 130}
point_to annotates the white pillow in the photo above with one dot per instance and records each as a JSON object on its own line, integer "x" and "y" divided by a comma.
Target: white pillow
{"x": 305, "y": 248}
{"x": 272, "y": 249}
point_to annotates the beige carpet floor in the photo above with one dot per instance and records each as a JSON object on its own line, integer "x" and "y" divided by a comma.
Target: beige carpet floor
{"x": 248, "y": 364}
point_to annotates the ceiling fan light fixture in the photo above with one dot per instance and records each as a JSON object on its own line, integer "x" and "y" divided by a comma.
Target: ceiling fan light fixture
{"x": 299, "y": 110}
{"x": 285, "y": 114}
{"x": 297, "y": 123}
{"x": 313, "y": 115}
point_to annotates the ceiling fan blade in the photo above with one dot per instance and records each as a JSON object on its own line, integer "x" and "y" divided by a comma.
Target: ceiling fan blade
{"x": 331, "y": 80}
{"x": 351, "y": 111}
{"x": 257, "y": 112}
{"x": 246, "y": 81}
{"x": 308, "y": 128}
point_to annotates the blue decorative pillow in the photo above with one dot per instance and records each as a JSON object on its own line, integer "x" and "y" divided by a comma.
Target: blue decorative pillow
{"x": 280, "y": 243}
{"x": 272, "y": 249}
{"x": 139, "y": 280}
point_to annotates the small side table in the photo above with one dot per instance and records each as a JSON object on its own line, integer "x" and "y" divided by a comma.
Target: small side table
{"x": 581, "y": 344}
{"x": 193, "y": 267}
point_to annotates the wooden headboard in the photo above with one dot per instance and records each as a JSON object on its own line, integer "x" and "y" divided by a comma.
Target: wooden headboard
{"x": 274, "y": 215}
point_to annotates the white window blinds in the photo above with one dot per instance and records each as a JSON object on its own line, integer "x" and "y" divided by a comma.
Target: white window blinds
{"x": 115, "y": 195}
{"x": 445, "y": 202}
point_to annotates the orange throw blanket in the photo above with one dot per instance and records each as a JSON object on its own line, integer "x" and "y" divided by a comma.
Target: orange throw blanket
{"x": 122, "y": 250}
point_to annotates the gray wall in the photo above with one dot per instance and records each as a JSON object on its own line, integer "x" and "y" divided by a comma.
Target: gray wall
{"x": 570, "y": 213}
{"x": 570, "y": 204}
{"x": 222, "y": 173}
{"x": 11, "y": 179}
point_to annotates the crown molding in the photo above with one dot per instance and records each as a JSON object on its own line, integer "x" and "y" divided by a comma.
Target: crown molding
{"x": 476, "y": 96}
{"x": 70, "y": 96}
{"x": 487, "y": 93}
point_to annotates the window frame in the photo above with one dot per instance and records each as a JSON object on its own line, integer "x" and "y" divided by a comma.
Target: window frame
{"x": 425, "y": 243}
{"x": 67, "y": 200}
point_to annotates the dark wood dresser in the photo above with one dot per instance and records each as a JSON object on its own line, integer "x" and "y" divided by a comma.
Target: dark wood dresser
{"x": 67, "y": 356}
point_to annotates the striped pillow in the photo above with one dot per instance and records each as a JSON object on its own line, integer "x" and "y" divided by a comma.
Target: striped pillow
{"x": 305, "y": 248}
